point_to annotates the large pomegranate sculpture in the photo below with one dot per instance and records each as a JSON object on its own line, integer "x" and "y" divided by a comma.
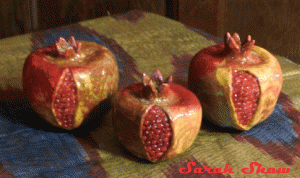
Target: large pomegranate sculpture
{"x": 237, "y": 84}
{"x": 156, "y": 120}
{"x": 65, "y": 81}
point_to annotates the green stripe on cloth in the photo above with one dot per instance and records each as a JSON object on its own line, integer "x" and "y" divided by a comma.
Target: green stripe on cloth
{"x": 154, "y": 42}
{"x": 13, "y": 52}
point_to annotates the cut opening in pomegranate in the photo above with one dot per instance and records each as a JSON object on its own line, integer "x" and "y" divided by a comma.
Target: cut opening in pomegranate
{"x": 156, "y": 132}
{"x": 238, "y": 83}
{"x": 65, "y": 101}
{"x": 66, "y": 82}
{"x": 245, "y": 95}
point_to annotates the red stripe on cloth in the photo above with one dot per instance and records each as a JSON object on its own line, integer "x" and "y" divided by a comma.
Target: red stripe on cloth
{"x": 4, "y": 173}
{"x": 288, "y": 108}
{"x": 128, "y": 67}
{"x": 132, "y": 16}
{"x": 286, "y": 152}
{"x": 277, "y": 151}
{"x": 173, "y": 171}
{"x": 240, "y": 138}
{"x": 93, "y": 160}
{"x": 181, "y": 64}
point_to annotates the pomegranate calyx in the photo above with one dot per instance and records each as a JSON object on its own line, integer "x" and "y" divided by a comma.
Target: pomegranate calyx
{"x": 154, "y": 85}
{"x": 238, "y": 52}
{"x": 67, "y": 49}
{"x": 149, "y": 89}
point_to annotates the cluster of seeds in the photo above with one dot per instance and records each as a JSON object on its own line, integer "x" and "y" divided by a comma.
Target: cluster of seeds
{"x": 156, "y": 132}
{"x": 245, "y": 95}
{"x": 65, "y": 101}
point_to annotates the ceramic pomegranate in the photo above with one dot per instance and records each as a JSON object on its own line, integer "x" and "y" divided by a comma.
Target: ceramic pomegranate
{"x": 65, "y": 81}
{"x": 156, "y": 120}
{"x": 238, "y": 84}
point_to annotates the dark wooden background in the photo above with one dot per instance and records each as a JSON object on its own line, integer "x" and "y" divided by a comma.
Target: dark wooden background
{"x": 274, "y": 24}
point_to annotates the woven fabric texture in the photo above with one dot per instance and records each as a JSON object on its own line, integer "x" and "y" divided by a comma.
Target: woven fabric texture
{"x": 141, "y": 42}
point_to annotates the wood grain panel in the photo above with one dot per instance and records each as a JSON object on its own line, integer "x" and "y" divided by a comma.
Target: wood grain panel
{"x": 55, "y": 13}
{"x": 206, "y": 15}
{"x": 60, "y": 12}
{"x": 274, "y": 24}
{"x": 154, "y": 6}
{"x": 17, "y": 17}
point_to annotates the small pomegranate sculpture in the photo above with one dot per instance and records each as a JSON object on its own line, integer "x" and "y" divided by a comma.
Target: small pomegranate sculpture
{"x": 237, "y": 84}
{"x": 156, "y": 120}
{"x": 65, "y": 81}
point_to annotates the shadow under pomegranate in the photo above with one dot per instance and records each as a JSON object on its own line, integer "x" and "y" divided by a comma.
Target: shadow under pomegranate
{"x": 97, "y": 118}
{"x": 16, "y": 109}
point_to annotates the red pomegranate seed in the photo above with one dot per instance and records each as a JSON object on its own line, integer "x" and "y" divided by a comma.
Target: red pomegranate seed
{"x": 160, "y": 140}
{"x": 148, "y": 148}
{"x": 157, "y": 131}
{"x": 65, "y": 101}
{"x": 245, "y": 95}
{"x": 166, "y": 139}
{"x": 156, "y": 141}
{"x": 147, "y": 122}
{"x": 152, "y": 152}
{"x": 163, "y": 149}
{"x": 149, "y": 127}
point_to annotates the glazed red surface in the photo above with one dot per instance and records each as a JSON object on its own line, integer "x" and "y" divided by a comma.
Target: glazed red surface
{"x": 41, "y": 74}
{"x": 49, "y": 77}
{"x": 212, "y": 78}
{"x": 131, "y": 116}
{"x": 210, "y": 57}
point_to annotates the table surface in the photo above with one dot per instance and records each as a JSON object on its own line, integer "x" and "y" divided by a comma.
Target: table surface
{"x": 141, "y": 42}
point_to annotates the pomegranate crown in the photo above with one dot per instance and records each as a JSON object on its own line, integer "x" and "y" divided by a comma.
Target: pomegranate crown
{"x": 67, "y": 49}
{"x": 238, "y": 51}
{"x": 154, "y": 85}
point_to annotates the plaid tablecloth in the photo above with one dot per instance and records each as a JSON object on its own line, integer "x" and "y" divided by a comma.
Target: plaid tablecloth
{"x": 141, "y": 42}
